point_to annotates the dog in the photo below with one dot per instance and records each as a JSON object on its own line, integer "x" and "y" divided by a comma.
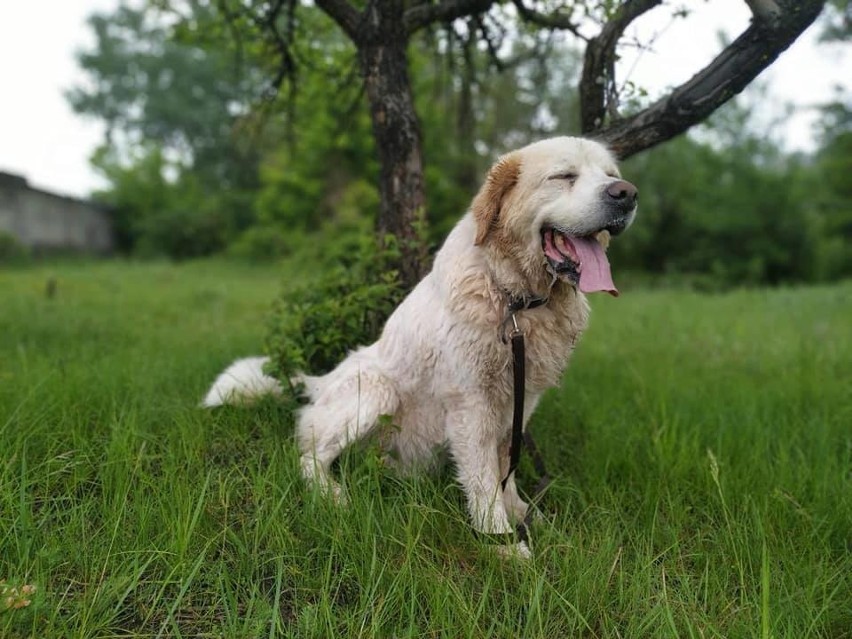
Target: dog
{"x": 442, "y": 370}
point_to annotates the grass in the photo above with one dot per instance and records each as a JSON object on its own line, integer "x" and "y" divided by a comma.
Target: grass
{"x": 702, "y": 449}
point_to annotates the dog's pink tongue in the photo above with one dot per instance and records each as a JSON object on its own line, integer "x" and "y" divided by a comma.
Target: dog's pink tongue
{"x": 594, "y": 267}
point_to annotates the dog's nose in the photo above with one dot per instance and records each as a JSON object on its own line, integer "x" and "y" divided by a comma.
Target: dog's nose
{"x": 623, "y": 192}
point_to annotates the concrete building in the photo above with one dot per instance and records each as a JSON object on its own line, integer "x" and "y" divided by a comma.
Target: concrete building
{"x": 46, "y": 222}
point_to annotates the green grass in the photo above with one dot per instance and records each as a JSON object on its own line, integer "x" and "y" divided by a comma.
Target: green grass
{"x": 702, "y": 449}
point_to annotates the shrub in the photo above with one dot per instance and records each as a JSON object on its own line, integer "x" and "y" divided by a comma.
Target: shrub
{"x": 11, "y": 250}
{"x": 314, "y": 326}
{"x": 182, "y": 233}
{"x": 262, "y": 243}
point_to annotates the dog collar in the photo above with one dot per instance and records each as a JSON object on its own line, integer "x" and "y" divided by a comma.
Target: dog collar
{"x": 515, "y": 305}
{"x": 525, "y": 302}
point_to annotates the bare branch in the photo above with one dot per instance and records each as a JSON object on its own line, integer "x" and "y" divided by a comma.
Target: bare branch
{"x": 728, "y": 74}
{"x": 492, "y": 47}
{"x": 266, "y": 19}
{"x": 268, "y": 23}
{"x": 599, "y": 64}
{"x": 344, "y": 14}
{"x": 422, "y": 15}
{"x": 557, "y": 21}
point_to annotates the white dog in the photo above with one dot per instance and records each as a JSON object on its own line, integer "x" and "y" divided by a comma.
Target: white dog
{"x": 442, "y": 369}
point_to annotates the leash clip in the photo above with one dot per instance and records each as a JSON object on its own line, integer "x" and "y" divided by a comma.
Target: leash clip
{"x": 515, "y": 328}
{"x": 505, "y": 333}
{"x": 515, "y": 306}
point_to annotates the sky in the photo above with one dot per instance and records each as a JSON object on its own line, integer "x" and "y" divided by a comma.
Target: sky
{"x": 42, "y": 139}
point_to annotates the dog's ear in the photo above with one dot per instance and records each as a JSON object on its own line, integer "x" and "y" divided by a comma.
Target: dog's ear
{"x": 486, "y": 205}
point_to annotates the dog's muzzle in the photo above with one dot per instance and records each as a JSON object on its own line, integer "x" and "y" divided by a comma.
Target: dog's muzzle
{"x": 621, "y": 198}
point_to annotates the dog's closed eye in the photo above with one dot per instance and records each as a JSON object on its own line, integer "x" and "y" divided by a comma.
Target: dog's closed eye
{"x": 571, "y": 176}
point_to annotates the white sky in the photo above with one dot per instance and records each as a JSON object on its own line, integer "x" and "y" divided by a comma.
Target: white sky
{"x": 42, "y": 139}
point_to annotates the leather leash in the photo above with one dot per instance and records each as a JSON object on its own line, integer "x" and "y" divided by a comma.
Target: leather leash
{"x": 519, "y": 437}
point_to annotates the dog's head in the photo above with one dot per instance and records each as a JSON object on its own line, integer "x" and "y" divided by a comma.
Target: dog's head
{"x": 551, "y": 206}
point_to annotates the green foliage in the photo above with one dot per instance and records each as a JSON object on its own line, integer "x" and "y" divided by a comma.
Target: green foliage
{"x": 181, "y": 164}
{"x": 322, "y": 169}
{"x": 831, "y": 187}
{"x": 170, "y": 84}
{"x": 11, "y": 250}
{"x": 262, "y": 243}
{"x": 352, "y": 215}
{"x": 325, "y": 175}
{"x": 156, "y": 216}
{"x": 314, "y": 326}
{"x": 135, "y": 191}
{"x": 182, "y": 232}
{"x": 737, "y": 214}
{"x": 466, "y": 119}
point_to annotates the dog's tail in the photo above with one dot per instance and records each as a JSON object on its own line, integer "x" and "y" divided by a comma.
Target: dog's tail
{"x": 240, "y": 383}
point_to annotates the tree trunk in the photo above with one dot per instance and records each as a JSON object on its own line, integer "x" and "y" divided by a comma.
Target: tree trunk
{"x": 382, "y": 47}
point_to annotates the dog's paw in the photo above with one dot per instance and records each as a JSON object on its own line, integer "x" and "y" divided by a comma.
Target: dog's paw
{"x": 519, "y": 550}
{"x": 328, "y": 489}
{"x": 336, "y": 493}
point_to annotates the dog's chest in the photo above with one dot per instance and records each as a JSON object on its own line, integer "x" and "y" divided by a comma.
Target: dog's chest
{"x": 550, "y": 338}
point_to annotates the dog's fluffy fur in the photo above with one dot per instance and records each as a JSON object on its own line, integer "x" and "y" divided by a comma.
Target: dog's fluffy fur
{"x": 440, "y": 368}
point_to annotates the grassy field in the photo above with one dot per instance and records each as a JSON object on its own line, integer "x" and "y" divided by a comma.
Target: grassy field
{"x": 702, "y": 449}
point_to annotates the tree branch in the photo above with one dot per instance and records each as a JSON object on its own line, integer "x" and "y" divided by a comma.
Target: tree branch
{"x": 728, "y": 74}
{"x": 268, "y": 23}
{"x": 265, "y": 19}
{"x": 492, "y": 48}
{"x": 422, "y": 15}
{"x": 344, "y": 14}
{"x": 599, "y": 64}
{"x": 557, "y": 21}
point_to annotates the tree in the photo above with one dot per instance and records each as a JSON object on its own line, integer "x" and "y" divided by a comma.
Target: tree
{"x": 381, "y": 31}
{"x": 140, "y": 70}
{"x": 171, "y": 107}
{"x": 831, "y": 187}
{"x": 734, "y": 216}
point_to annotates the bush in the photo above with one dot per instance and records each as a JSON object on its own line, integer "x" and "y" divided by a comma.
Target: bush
{"x": 722, "y": 214}
{"x": 262, "y": 243}
{"x": 314, "y": 326}
{"x": 182, "y": 233}
{"x": 11, "y": 250}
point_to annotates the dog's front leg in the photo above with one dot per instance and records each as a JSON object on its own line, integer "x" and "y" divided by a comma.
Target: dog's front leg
{"x": 473, "y": 446}
{"x": 516, "y": 507}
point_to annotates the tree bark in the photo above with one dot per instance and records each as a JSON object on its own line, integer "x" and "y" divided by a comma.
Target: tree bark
{"x": 382, "y": 49}
{"x": 380, "y": 33}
